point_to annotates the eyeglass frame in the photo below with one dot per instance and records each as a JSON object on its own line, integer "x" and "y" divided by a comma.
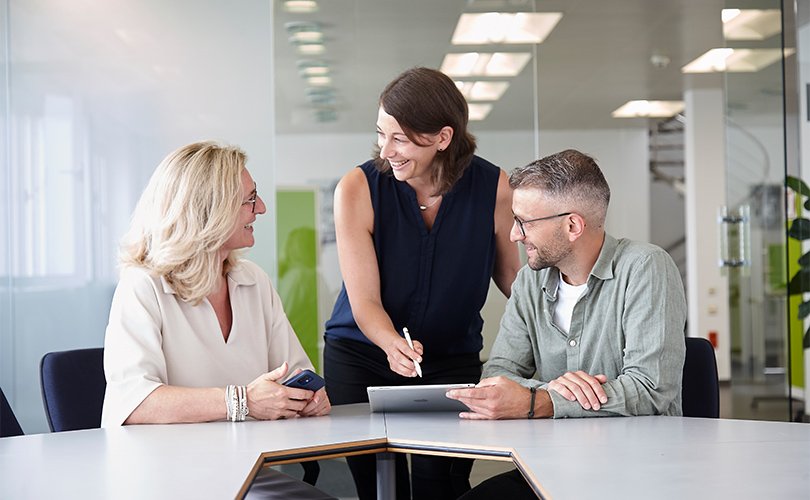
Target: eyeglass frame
{"x": 252, "y": 199}
{"x": 520, "y": 223}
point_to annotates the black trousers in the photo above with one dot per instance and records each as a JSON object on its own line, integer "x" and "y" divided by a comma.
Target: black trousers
{"x": 349, "y": 368}
{"x": 509, "y": 485}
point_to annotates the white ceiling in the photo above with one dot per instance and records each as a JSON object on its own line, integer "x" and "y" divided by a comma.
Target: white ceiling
{"x": 596, "y": 59}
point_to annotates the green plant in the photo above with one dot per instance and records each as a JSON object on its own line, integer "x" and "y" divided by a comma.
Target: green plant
{"x": 800, "y": 230}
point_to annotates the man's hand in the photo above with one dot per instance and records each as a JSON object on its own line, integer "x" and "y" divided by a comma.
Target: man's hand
{"x": 582, "y": 387}
{"x": 500, "y": 398}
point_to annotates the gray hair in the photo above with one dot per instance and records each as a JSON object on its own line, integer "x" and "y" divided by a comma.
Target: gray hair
{"x": 571, "y": 177}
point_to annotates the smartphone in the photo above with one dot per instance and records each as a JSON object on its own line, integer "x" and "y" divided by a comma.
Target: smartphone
{"x": 305, "y": 379}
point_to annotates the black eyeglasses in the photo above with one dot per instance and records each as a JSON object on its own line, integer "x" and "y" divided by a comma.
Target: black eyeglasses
{"x": 252, "y": 200}
{"x": 520, "y": 223}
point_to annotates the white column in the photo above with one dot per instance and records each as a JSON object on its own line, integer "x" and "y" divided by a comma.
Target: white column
{"x": 705, "y": 172}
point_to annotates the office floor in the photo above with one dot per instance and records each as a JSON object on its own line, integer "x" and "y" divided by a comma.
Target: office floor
{"x": 758, "y": 401}
{"x": 335, "y": 478}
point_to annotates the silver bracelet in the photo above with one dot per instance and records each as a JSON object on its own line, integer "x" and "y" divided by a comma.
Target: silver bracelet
{"x": 243, "y": 403}
{"x": 236, "y": 403}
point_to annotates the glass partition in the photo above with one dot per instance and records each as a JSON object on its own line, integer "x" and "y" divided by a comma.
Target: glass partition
{"x": 756, "y": 171}
{"x": 332, "y": 63}
{"x": 95, "y": 94}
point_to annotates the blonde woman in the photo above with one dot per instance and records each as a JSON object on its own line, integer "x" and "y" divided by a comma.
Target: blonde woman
{"x": 197, "y": 334}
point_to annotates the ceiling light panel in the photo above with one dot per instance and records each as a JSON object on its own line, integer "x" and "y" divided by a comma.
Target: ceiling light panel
{"x": 307, "y": 67}
{"x": 482, "y": 91}
{"x": 500, "y": 27}
{"x": 301, "y": 6}
{"x": 477, "y": 111}
{"x": 750, "y": 24}
{"x": 311, "y": 49}
{"x": 648, "y": 109}
{"x": 499, "y": 64}
{"x": 304, "y": 32}
{"x": 319, "y": 81}
{"x": 735, "y": 60}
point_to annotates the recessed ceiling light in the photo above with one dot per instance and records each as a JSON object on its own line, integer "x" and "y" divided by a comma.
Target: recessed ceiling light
{"x": 311, "y": 49}
{"x": 478, "y": 112}
{"x": 304, "y": 32}
{"x": 648, "y": 109}
{"x": 502, "y": 27}
{"x": 319, "y": 81}
{"x": 485, "y": 64}
{"x": 751, "y": 24}
{"x": 735, "y": 60}
{"x": 482, "y": 91}
{"x": 300, "y": 6}
{"x": 307, "y": 67}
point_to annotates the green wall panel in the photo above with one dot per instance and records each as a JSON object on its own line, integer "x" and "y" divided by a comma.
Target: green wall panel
{"x": 297, "y": 265}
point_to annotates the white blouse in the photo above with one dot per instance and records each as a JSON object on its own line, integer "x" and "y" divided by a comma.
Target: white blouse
{"x": 155, "y": 338}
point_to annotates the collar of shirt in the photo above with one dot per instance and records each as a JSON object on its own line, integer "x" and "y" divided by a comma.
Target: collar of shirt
{"x": 602, "y": 269}
{"x": 238, "y": 275}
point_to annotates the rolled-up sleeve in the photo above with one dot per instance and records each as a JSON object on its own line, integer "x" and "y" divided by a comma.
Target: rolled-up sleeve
{"x": 134, "y": 363}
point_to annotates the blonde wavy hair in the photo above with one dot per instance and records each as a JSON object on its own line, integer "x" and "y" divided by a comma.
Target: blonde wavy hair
{"x": 184, "y": 217}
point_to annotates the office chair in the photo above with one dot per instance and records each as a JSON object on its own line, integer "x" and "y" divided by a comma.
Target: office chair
{"x": 73, "y": 387}
{"x": 9, "y": 426}
{"x": 701, "y": 389}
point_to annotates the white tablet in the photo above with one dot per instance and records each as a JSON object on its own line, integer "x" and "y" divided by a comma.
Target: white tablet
{"x": 417, "y": 398}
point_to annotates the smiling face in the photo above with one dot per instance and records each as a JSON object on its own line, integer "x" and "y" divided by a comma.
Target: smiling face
{"x": 408, "y": 160}
{"x": 242, "y": 235}
{"x": 547, "y": 243}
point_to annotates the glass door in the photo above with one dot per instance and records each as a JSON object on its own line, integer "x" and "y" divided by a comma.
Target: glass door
{"x": 758, "y": 253}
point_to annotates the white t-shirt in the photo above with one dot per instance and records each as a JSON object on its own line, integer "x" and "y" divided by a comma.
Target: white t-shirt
{"x": 567, "y": 297}
{"x": 154, "y": 338}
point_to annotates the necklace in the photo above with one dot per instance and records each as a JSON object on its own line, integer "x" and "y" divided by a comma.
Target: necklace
{"x": 425, "y": 207}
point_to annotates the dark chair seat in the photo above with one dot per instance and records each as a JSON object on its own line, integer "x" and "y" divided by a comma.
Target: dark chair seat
{"x": 700, "y": 394}
{"x": 73, "y": 387}
{"x": 9, "y": 426}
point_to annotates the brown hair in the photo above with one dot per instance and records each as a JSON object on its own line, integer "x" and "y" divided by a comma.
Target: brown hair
{"x": 423, "y": 101}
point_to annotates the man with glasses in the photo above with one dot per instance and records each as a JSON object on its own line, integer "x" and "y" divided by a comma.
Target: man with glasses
{"x": 594, "y": 326}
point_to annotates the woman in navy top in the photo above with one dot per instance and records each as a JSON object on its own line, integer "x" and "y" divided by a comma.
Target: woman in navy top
{"x": 421, "y": 231}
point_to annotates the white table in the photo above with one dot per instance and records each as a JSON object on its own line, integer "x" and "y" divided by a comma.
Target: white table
{"x": 628, "y": 457}
{"x": 637, "y": 457}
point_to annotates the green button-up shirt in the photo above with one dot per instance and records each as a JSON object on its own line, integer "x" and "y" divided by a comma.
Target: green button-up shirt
{"x": 629, "y": 325}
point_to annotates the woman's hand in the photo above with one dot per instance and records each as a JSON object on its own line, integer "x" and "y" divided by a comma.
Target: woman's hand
{"x": 401, "y": 356}
{"x": 318, "y": 406}
{"x": 269, "y": 400}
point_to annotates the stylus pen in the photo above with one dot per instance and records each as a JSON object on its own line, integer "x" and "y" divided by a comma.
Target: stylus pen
{"x": 410, "y": 344}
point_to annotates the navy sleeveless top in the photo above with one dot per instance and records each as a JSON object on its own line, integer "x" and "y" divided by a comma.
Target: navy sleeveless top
{"x": 434, "y": 282}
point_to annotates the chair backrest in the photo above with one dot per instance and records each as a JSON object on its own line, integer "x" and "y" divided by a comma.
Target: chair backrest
{"x": 701, "y": 389}
{"x": 9, "y": 426}
{"x": 73, "y": 387}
